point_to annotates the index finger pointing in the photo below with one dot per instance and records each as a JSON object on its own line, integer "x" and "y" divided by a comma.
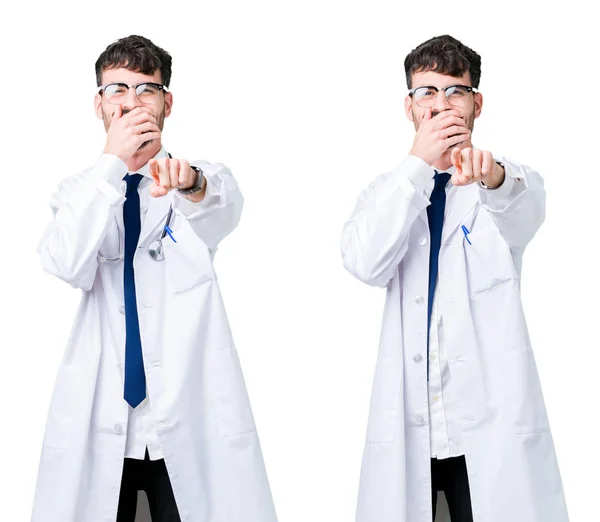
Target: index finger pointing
{"x": 456, "y": 158}
{"x": 153, "y": 170}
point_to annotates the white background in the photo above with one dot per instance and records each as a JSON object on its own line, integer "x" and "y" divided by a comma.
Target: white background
{"x": 304, "y": 101}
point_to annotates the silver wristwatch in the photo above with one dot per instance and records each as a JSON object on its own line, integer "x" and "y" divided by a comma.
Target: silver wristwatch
{"x": 197, "y": 187}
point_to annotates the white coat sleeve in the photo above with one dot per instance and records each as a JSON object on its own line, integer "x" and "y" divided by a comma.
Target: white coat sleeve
{"x": 219, "y": 212}
{"x": 518, "y": 206}
{"x": 375, "y": 238}
{"x": 84, "y": 207}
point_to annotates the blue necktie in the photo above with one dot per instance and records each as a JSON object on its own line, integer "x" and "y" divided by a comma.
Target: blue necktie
{"x": 435, "y": 216}
{"x": 135, "y": 378}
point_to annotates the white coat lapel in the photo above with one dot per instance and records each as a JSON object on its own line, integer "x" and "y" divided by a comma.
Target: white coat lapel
{"x": 156, "y": 216}
{"x": 158, "y": 208}
{"x": 463, "y": 202}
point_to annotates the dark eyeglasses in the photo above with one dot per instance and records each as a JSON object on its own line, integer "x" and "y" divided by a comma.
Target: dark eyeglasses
{"x": 116, "y": 93}
{"x": 455, "y": 94}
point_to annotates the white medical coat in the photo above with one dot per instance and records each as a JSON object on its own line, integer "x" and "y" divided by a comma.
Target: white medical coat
{"x": 195, "y": 385}
{"x": 496, "y": 394}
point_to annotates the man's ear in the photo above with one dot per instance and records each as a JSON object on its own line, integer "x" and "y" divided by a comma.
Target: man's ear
{"x": 98, "y": 105}
{"x": 168, "y": 103}
{"x": 408, "y": 108}
{"x": 478, "y": 103}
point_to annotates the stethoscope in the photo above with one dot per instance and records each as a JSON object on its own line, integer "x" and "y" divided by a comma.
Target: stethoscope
{"x": 155, "y": 249}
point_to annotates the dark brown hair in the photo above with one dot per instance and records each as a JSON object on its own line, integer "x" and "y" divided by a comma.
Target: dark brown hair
{"x": 444, "y": 55}
{"x": 135, "y": 53}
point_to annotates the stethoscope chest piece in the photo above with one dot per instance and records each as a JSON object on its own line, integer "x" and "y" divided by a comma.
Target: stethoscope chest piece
{"x": 156, "y": 251}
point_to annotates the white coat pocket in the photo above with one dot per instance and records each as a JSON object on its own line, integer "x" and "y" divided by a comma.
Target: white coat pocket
{"x": 188, "y": 260}
{"x": 231, "y": 397}
{"x": 488, "y": 259}
{"x": 63, "y": 408}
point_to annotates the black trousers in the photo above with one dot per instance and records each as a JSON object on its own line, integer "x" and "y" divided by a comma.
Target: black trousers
{"x": 150, "y": 476}
{"x": 450, "y": 476}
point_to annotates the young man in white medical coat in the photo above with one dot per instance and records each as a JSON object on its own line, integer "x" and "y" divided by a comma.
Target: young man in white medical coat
{"x": 150, "y": 394}
{"x": 456, "y": 403}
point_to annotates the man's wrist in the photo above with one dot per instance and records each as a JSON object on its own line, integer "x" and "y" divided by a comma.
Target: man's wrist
{"x": 421, "y": 156}
{"x": 500, "y": 177}
{"x": 198, "y": 185}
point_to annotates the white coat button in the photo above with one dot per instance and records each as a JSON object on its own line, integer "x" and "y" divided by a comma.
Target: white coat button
{"x": 420, "y": 420}
{"x": 118, "y": 429}
{"x": 423, "y": 241}
{"x": 419, "y": 299}
{"x": 434, "y": 356}
{"x": 418, "y": 358}
{"x": 122, "y": 309}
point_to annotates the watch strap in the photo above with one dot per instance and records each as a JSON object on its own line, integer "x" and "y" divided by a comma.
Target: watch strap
{"x": 197, "y": 187}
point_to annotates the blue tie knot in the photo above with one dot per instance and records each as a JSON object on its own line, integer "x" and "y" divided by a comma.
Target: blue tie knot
{"x": 441, "y": 179}
{"x": 133, "y": 182}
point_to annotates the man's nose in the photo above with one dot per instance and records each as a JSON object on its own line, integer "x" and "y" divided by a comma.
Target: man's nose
{"x": 441, "y": 102}
{"x": 132, "y": 101}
